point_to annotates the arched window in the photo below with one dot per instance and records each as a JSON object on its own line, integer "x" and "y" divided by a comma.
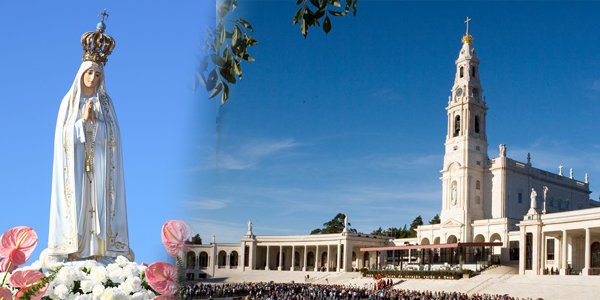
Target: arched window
{"x": 461, "y": 72}
{"x": 477, "y": 200}
{"x": 190, "y": 260}
{"x": 476, "y": 124}
{"x": 203, "y": 260}
{"x": 456, "y": 126}
{"x": 473, "y": 71}
{"x": 477, "y": 185}
{"x": 233, "y": 259}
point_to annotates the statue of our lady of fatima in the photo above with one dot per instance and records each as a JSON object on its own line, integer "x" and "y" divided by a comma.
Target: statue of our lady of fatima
{"x": 88, "y": 214}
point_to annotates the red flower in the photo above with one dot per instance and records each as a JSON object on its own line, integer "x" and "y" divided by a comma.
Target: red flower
{"x": 17, "y": 244}
{"x": 26, "y": 279}
{"x": 162, "y": 277}
{"x": 174, "y": 235}
{"x": 5, "y": 294}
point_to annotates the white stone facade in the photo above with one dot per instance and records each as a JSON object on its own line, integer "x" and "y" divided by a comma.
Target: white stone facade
{"x": 544, "y": 220}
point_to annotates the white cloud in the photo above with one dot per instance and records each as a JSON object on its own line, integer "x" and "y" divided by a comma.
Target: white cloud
{"x": 207, "y": 204}
{"x": 246, "y": 155}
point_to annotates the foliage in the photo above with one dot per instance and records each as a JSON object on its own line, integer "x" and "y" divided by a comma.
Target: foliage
{"x": 435, "y": 219}
{"x": 397, "y": 233}
{"x": 227, "y": 48}
{"x": 335, "y": 225}
{"x": 311, "y": 12}
{"x": 418, "y": 221}
{"x": 195, "y": 240}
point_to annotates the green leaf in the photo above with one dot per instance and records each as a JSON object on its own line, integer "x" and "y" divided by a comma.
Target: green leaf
{"x": 298, "y": 15}
{"x": 216, "y": 91}
{"x": 248, "y": 57}
{"x": 212, "y": 80}
{"x": 336, "y": 13}
{"x": 327, "y": 25}
{"x": 320, "y": 13}
{"x": 237, "y": 67}
{"x": 315, "y": 2}
{"x": 304, "y": 27}
{"x": 225, "y": 94}
{"x": 234, "y": 5}
{"x": 336, "y": 3}
{"x": 218, "y": 60}
{"x": 246, "y": 24}
{"x": 236, "y": 36}
{"x": 354, "y": 6}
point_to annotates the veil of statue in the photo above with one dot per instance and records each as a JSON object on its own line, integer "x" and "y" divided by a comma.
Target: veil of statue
{"x": 88, "y": 213}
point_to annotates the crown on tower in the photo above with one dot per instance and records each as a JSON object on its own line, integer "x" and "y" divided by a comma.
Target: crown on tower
{"x": 97, "y": 45}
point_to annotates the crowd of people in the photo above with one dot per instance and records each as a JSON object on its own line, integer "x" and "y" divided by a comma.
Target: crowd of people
{"x": 306, "y": 291}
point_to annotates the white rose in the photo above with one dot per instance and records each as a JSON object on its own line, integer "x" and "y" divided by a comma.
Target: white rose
{"x": 131, "y": 285}
{"x": 98, "y": 290}
{"x": 61, "y": 291}
{"x": 139, "y": 296}
{"x": 87, "y": 285}
{"x": 84, "y": 297}
{"x": 115, "y": 273}
{"x": 130, "y": 271}
{"x": 122, "y": 261}
{"x": 98, "y": 275}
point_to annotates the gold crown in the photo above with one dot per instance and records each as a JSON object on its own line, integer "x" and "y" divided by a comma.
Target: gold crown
{"x": 97, "y": 45}
{"x": 467, "y": 38}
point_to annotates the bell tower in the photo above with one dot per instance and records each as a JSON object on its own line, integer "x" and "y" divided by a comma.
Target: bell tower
{"x": 466, "y": 145}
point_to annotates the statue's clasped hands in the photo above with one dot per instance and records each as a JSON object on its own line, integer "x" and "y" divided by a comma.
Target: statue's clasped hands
{"x": 88, "y": 111}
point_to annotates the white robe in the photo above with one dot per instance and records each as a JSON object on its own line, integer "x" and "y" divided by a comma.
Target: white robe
{"x": 88, "y": 214}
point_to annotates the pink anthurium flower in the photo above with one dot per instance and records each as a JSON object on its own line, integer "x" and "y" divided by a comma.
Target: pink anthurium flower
{"x": 5, "y": 294}
{"x": 162, "y": 277}
{"x": 4, "y": 265}
{"x": 26, "y": 279}
{"x": 17, "y": 244}
{"x": 174, "y": 235}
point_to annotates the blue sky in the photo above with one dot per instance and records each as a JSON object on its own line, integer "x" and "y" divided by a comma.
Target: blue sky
{"x": 149, "y": 77}
{"x": 355, "y": 121}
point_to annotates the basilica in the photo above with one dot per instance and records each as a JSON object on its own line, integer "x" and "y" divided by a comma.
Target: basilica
{"x": 493, "y": 210}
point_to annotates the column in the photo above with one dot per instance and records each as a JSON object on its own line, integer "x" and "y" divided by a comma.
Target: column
{"x": 339, "y": 256}
{"x": 317, "y": 259}
{"x": 227, "y": 260}
{"x": 563, "y": 254}
{"x": 305, "y": 256}
{"x": 267, "y": 264}
{"x": 279, "y": 266}
{"x": 328, "y": 257}
{"x": 543, "y": 254}
{"x": 243, "y": 258}
{"x": 293, "y": 257}
{"x": 586, "y": 267}
{"x": 347, "y": 256}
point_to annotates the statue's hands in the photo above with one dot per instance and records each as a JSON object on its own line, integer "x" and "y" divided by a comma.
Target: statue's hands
{"x": 88, "y": 111}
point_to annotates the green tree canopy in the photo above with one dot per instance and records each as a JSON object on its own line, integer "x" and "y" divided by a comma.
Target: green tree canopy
{"x": 435, "y": 219}
{"x": 335, "y": 225}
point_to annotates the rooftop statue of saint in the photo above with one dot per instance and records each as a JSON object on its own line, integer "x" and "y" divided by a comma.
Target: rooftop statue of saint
{"x": 88, "y": 214}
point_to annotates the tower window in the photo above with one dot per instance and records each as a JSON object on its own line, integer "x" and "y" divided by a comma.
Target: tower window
{"x": 476, "y": 124}
{"x": 473, "y": 71}
{"x": 461, "y": 72}
{"x": 456, "y": 126}
{"x": 477, "y": 185}
{"x": 477, "y": 200}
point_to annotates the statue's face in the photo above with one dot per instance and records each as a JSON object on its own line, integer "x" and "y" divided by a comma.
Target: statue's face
{"x": 91, "y": 78}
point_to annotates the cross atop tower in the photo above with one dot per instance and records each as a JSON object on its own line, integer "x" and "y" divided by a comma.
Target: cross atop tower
{"x": 466, "y": 22}
{"x": 104, "y": 16}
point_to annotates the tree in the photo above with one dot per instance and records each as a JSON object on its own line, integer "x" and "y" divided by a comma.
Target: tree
{"x": 228, "y": 47}
{"x": 195, "y": 240}
{"x": 435, "y": 219}
{"x": 335, "y": 225}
